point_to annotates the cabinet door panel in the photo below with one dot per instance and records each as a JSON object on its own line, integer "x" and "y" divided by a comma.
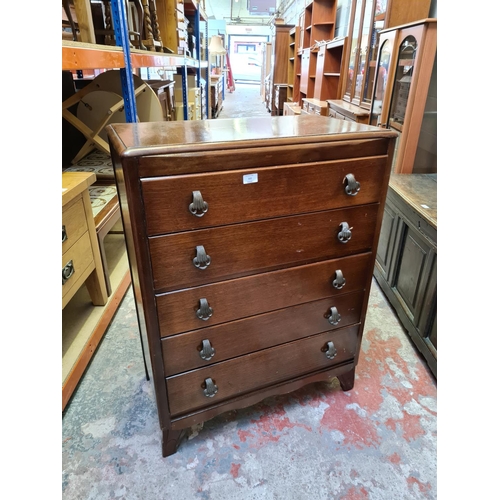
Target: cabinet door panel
{"x": 412, "y": 272}
{"x": 386, "y": 239}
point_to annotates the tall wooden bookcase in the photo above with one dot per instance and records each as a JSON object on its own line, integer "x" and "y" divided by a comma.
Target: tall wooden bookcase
{"x": 279, "y": 66}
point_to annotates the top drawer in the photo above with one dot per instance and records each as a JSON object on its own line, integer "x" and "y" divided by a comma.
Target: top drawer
{"x": 184, "y": 202}
{"x": 74, "y": 223}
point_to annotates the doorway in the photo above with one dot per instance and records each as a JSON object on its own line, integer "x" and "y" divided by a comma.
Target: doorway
{"x": 245, "y": 55}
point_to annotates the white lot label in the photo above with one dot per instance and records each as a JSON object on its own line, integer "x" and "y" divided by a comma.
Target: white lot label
{"x": 250, "y": 178}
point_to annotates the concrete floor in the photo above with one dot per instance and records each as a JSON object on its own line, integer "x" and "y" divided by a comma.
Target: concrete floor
{"x": 377, "y": 441}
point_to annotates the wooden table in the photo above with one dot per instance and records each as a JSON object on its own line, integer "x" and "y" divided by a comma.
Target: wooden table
{"x": 81, "y": 259}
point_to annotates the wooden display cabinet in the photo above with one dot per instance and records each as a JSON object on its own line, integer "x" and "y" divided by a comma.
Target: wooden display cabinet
{"x": 319, "y": 21}
{"x": 279, "y": 67}
{"x": 369, "y": 18}
{"x": 328, "y": 70}
{"x": 405, "y": 96}
{"x": 308, "y": 72}
{"x": 293, "y": 77}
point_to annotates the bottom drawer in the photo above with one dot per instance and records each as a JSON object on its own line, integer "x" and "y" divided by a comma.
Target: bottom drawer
{"x": 205, "y": 386}
{"x": 75, "y": 263}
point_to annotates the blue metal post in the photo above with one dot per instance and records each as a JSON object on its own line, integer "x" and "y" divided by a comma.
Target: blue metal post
{"x": 184, "y": 89}
{"x": 121, "y": 34}
{"x": 198, "y": 51}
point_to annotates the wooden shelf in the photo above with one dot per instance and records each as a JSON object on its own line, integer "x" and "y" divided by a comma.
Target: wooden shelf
{"x": 80, "y": 55}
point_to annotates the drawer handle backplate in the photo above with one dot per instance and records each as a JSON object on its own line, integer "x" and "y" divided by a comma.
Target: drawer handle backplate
{"x": 202, "y": 260}
{"x": 67, "y": 272}
{"x": 330, "y": 350}
{"x": 339, "y": 280}
{"x": 198, "y": 207}
{"x": 205, "y": 311}
{"x": 210, "y": 389}
{"x": 334, "y": 317}
{"x": 64, "y": 234}
{"x": 352, "y": 185}
{"x": 344, "y": 234}
{"x": 207, "y": 352}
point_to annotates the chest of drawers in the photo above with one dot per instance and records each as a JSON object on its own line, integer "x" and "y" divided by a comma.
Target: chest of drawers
{"x": 251, "y": 244}
{"x": 81, "y": 259}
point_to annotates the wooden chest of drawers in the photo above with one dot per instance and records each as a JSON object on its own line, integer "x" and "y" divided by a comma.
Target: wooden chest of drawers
{"x": 251, "y": 245}
{"x": 315, "y": 107}
{"x": 81, "y": 259}
{"x": 346, "y": 111}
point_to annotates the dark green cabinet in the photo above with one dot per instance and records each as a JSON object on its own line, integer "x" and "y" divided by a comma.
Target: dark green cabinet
{"x": 406, "y": 263}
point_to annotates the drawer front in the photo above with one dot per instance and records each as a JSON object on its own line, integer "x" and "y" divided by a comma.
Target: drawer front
{"x": 74, "y": 223}
{"x": 77, "y": 261}
{"x": 260, "y": 369}
{"x": 240, "y": 298}
{"x": 258, "y": 157}
{"x": 244, "y": 249}
{"x": 184, "y": 352}
{"x": 262, "y": 193}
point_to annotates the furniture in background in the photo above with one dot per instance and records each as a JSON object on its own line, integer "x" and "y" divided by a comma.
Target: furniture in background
{"x": 81, "y": 259}
{"x": 280, "y": 93}
{"x": 279, "y": 63}
{"x": 405, "y": 97}
{"x": 293, "y": 76}
{"x": 337, "y": 108}
{"x": 216, "y": 94}
{"x": 406, "y": 265}
{"x": 368, "y": 19}
{"x": 314, "y": 107}
{"x": 165, "y": 92}
{"x": 254, "y": 279}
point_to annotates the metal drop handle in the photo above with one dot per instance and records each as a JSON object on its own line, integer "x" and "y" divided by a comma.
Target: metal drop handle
{"x": 330, "y": 350}
{"x": 64, "y": 234}
{"x": 198, "y": 207}
{"x": 210, "y": 389}
{"x": 334, "y": 317}
{"x": 339, "y": 280}
{"x": 68, "y": 271}
{"x": 204, "y": 312}
{"x": 207, "y": 352}
{"x": 344, "y": 235}
{"x": 352, "y": 185}
{"x": 202, "y": 259}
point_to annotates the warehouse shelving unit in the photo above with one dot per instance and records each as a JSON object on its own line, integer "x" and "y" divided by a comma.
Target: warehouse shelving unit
{"x": 87, "y": 323}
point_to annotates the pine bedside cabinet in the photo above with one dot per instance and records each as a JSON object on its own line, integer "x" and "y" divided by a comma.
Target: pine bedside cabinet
{"x": 252, "y": 243}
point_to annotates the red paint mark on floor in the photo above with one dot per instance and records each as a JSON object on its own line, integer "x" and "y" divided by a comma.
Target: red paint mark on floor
{"x": 358, "y": 431}
{"x": 423, "y": 487}
{"x": 269, "y": 426}
{"x": 394, "y": 458}
{"x": 243, "y": 435}
{"x": 356, "y": 494}
{"x": 235, "y": 469}
{"x": 236, "y": 446}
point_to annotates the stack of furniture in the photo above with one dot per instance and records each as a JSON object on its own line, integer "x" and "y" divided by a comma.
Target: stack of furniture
{"x": 254, "y": 279}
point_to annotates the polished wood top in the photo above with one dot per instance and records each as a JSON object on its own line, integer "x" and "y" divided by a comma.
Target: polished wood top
{"x": 419, "y": 191}
{"x": 74, "y": 183}
{"x": 131, "y": 139}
